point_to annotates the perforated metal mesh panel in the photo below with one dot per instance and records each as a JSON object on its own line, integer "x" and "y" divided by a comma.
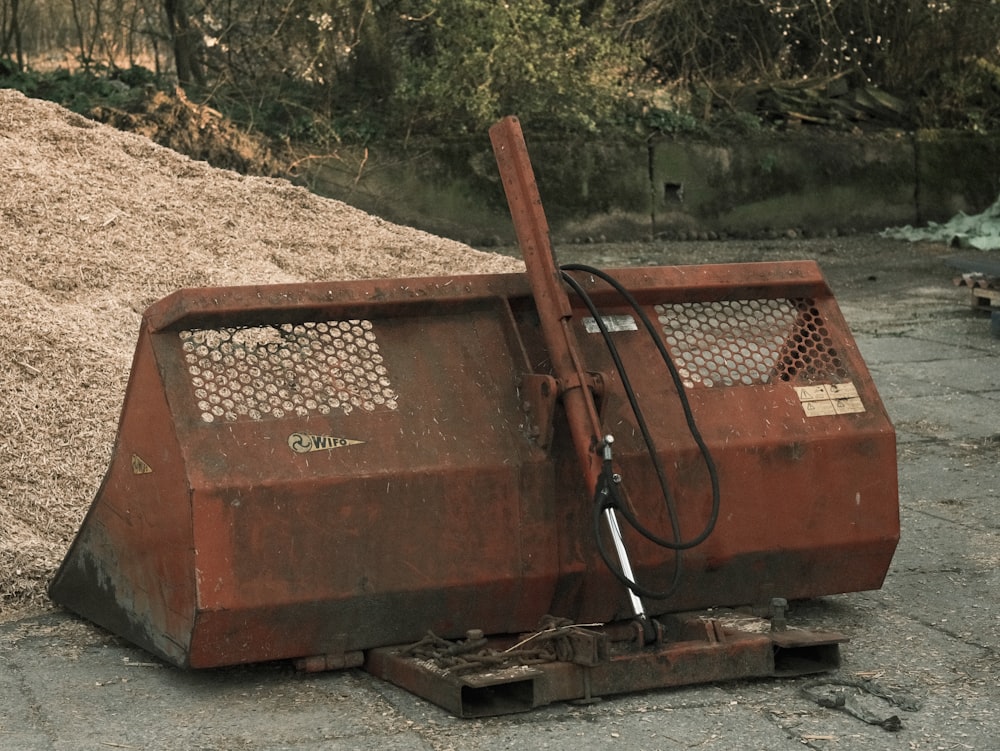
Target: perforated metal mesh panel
{"x": 261, "y": 372}
{"x": 746, "y": 342}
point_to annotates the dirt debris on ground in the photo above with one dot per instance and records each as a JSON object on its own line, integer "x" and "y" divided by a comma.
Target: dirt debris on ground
{"x": 96, "y": 224}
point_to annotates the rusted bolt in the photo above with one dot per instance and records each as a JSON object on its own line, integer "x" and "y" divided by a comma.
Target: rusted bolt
{"x": 779, "y": 610}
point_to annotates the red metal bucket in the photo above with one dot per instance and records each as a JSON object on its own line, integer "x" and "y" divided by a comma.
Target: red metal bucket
{"x": 321, "y": 469}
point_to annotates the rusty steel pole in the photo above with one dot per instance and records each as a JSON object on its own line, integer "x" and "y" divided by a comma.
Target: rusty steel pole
{"x": 550, "y": 295}
{"x": 592, "y": 446}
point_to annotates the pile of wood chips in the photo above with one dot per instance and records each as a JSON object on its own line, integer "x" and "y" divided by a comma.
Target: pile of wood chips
{"x": 96, "y": 224}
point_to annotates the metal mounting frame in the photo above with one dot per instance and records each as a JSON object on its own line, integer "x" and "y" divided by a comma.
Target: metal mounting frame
{"x": 699, "y": 648}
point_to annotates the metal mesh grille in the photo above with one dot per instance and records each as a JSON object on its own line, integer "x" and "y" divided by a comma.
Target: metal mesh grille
{"x": 747, "y": 342}
{"x": 261, "y": 372}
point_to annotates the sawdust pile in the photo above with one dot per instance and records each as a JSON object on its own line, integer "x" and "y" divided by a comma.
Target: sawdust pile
{"x": 96, "y": 224}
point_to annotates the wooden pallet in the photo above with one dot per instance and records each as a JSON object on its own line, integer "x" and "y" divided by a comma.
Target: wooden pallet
{"x": 985, "y": 290}
{"x": 982, "y": 277}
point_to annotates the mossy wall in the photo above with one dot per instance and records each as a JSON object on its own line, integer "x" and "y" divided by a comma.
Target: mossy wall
{"x": 633, "y": 190}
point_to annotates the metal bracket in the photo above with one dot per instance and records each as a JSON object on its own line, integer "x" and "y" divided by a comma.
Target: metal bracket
{"x": 593, "y": 382}
{"x": 609, "y": 661}
{"x": 539, "y": 395}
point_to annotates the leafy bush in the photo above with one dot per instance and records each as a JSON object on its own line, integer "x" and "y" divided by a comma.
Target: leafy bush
{"x": 325, "y": 71}
{"x": 468, "y": 62}
{"x": 83, "y": 90}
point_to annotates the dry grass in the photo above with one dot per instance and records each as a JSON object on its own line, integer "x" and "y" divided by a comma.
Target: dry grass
{"x": 96, "y": 224}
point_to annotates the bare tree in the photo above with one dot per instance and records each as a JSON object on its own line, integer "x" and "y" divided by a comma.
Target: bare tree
{"x": 187, "y": 42}
{"x": 11, "y": 42}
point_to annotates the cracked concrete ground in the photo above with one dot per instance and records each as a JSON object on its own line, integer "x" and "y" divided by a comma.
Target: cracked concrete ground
{"x": 931, "y": 634}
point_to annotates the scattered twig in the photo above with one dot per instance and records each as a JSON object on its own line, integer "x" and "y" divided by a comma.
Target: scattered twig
{"x": 29, "y": 368}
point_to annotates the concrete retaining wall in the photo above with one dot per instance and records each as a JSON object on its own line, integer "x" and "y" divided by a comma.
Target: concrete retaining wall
{"x": 765, "y": 183}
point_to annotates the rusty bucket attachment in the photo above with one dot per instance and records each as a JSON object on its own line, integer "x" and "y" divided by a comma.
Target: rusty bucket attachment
{"x": 325, "y": 472}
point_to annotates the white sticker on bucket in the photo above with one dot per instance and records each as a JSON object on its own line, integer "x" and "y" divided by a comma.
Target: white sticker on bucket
{"x": 830, "y": 399}
{"x": 611, "y": 323}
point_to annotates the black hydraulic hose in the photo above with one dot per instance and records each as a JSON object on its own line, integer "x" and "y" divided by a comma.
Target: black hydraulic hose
{"x": 607, "y": 495}
{"x": 632, "y": 399}
{"x": 682, "y": 396}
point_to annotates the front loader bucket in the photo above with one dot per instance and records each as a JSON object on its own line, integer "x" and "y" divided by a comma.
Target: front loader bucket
{"x": 316, "y": 470}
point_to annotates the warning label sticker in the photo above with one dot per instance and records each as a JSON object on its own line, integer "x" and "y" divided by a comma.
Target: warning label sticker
{"x": 830, "y": 399}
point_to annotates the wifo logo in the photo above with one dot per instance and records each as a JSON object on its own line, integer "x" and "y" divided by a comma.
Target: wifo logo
{"x": 303, "y": 443}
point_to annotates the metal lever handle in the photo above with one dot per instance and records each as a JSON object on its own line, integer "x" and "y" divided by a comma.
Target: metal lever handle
{"x": 619, "y": 541}
{"x": 551, "y": 299}
{"x": 593, "y": 448}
